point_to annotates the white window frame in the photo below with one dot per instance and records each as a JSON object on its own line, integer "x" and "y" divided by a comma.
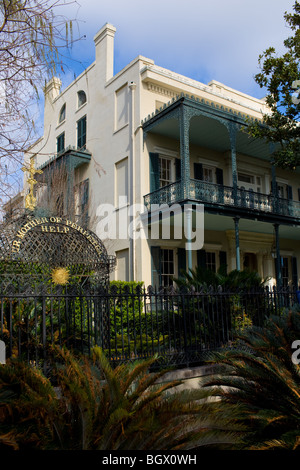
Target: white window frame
{"x": 282, "y": 183}
{"x": 79, "y": 103}
{"x": 62, "y": 114}
{"x": 213, "y": 173}
{"x": 171, "y": 160}
{"x": 257, "y": 180}
{"x": 162, "y": 261}
{"x": 215, "y": 253}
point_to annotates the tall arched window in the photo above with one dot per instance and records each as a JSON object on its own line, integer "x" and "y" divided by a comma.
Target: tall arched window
{"x": 62, "y": 114}
{"x": 81, "y": 98}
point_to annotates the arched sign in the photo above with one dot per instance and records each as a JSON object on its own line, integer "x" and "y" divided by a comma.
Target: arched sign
{"x": 53, "y": 225}
{"x": 36, "y": 248}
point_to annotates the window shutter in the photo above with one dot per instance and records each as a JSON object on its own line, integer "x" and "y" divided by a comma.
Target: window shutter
{"x": 220, "y": 182}
{"x": 273, "y": 188}
{"x": 294, "y": 272}
{"x": 156, "y": 266}
{"x": 201, "y": 258}
{"x": 219, "y": 176}
{"x": 181, "y": 254}
{"x": 198, "y": 171}
{"x": 299, "y": 194}
{"x": 223, "y": 261}
{"x": 85, "y": 200}
{"x": 81, "y": 133}
{"x": 154, "y": 171}
{"x": 60, "y": 143}
{"x": 178, "y": 168}
{"x": 289, "y": 191}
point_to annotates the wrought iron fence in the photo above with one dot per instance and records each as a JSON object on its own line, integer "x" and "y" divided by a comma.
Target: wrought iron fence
{"x": 178, "y": 326}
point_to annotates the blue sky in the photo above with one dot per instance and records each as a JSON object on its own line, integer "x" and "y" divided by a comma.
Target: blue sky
{"x": 203, "y": 40}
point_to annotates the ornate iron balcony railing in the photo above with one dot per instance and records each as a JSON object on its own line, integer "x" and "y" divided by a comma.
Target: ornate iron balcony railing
{"x": 169, "y": 194}
{"x": 219, "y": 195}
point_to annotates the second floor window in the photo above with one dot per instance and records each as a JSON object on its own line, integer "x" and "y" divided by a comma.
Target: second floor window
{"x": 60, "y": 143}
{"x": 166, "y": 171}
{"x": 81, "y": 133}
{"x": 249, "y": 182}
{"x": 81, "y": 98}
{"x": 62, "y": 114}
{"x": 208, "y": 174}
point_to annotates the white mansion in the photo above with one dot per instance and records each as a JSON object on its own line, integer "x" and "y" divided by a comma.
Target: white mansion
{"x": 148, "y": 136}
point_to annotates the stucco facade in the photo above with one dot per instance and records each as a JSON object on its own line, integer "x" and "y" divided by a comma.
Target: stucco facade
{"x": 194, "y": 133}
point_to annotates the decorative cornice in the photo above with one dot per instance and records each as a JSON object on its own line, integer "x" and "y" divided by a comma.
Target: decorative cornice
{"x": 161, "y": 90}
{"x": 212, "y": 105}
{"x": 160, "y": 71}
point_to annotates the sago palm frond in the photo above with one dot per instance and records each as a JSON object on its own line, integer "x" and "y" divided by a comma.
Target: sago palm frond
{"x": 27, "y": 401}
{"x": 263, "y": 381}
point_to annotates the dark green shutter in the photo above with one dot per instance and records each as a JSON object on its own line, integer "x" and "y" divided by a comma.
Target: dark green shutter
{"x": 156, "y": 266}
{"x": 154, "y": 171}
{"x": 198, "y": 171}
{"x": 219, "y": 176}
{"x": 294, "y": 272}
{"x": 274, "y": 188}
{"x": 81, "y": 133}
{"x": 85, "y": 200}
{"x": 201, "y": 258}
{"x": 60, "y": 143}
{"x": 178, "y": 168}
{"x": 181, "y": 254}
{"x": 289, "y": 191}
{"x": 299, "y": 194}
{"x": 223, "y": 261}
{"x": 220, "y": 182}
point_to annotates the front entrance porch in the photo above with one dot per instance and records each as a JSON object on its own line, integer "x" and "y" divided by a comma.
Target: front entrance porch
{"x": 258, "y": 244}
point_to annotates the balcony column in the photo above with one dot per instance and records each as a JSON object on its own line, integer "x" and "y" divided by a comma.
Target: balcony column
{"x": 277, "y": 248}
{"x": 184, "y": 127}
{"x": 232, "y": 136}
{"x": 237, "y": 243}
{"x": 188, "y": 212}
{"x": 274, "y": 187}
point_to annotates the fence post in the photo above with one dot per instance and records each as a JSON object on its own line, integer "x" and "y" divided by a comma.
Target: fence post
{"x": 183, "y": 297}
{"x": 44, "y": 329}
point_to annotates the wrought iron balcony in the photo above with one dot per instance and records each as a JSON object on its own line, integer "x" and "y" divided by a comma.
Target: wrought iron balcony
{"x": 216, "y": 195}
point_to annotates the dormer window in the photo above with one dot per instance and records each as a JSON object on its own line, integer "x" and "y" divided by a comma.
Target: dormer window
{"x": 81, "y": 98}
{"x": 62, "y": 114}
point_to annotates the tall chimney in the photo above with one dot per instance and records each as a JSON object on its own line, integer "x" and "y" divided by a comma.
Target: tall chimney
{"x": 52, "y": 89}
{"x": 104, "y": 44}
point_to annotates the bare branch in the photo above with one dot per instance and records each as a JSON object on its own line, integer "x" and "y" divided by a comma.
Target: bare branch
{"x": 32, "y": 36}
